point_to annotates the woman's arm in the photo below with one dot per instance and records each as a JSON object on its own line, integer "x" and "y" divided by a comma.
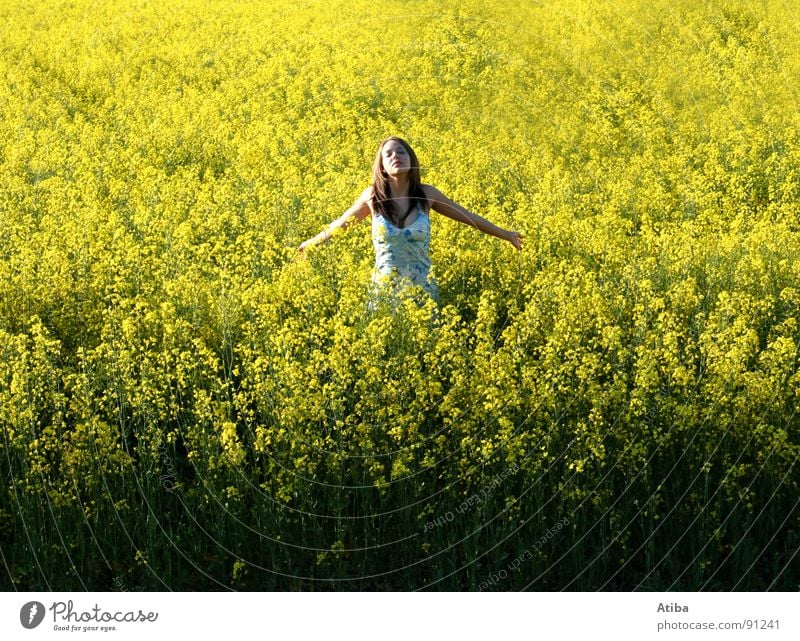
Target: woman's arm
{"x": 446, "y": 207}
{"x": 358, "y": 211}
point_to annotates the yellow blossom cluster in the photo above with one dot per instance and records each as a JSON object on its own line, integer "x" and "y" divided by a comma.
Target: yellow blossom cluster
{"x": 186, "y": 404}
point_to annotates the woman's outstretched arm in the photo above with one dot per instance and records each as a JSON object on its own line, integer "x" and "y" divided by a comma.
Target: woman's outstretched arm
{"x": 446, "y": 207}
{"x": 358, "y": 211}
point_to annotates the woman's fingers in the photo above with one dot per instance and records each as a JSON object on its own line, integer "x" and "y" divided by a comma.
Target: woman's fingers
{"x": 516, "y": 239}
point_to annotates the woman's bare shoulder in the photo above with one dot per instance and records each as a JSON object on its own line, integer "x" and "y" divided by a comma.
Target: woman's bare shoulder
{"x": 431, "y": 193}
{"x": 366, "y": 197}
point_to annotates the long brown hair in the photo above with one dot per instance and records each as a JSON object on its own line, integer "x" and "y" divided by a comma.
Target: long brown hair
{"x": 381, "y": 193}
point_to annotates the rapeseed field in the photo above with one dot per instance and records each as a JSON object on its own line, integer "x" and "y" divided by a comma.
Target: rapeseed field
{"x": 187, "y": 405}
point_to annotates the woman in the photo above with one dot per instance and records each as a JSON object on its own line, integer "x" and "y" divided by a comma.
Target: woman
{"x": 400, "y": 206}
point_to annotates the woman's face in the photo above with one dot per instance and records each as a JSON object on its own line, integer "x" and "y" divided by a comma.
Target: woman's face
{"x": 395, "y": 158}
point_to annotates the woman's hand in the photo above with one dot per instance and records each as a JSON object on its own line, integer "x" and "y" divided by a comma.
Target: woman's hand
{"x": 311, "y": 242}
{"x": 515, "y": 238}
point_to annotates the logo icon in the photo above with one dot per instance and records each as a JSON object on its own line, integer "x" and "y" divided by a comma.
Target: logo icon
{"x": 31, "y": 614}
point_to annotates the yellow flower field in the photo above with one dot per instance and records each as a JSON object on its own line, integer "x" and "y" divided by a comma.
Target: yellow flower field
{"x": 187, "y": 405}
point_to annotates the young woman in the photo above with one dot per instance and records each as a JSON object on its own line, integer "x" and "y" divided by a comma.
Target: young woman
{"x": 400, "y": 207}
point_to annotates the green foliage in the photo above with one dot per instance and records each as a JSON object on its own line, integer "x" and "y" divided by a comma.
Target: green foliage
{"x": 186, "y": 405}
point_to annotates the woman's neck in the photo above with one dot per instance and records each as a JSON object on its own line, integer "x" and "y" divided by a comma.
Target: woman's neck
{"x": 398, "y": 186}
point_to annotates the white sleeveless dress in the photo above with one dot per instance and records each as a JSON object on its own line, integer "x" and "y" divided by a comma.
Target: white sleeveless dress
{"x": 402, "y": 256}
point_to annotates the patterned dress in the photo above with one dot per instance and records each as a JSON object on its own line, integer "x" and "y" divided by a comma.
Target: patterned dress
{"x": 401, "y": 257}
